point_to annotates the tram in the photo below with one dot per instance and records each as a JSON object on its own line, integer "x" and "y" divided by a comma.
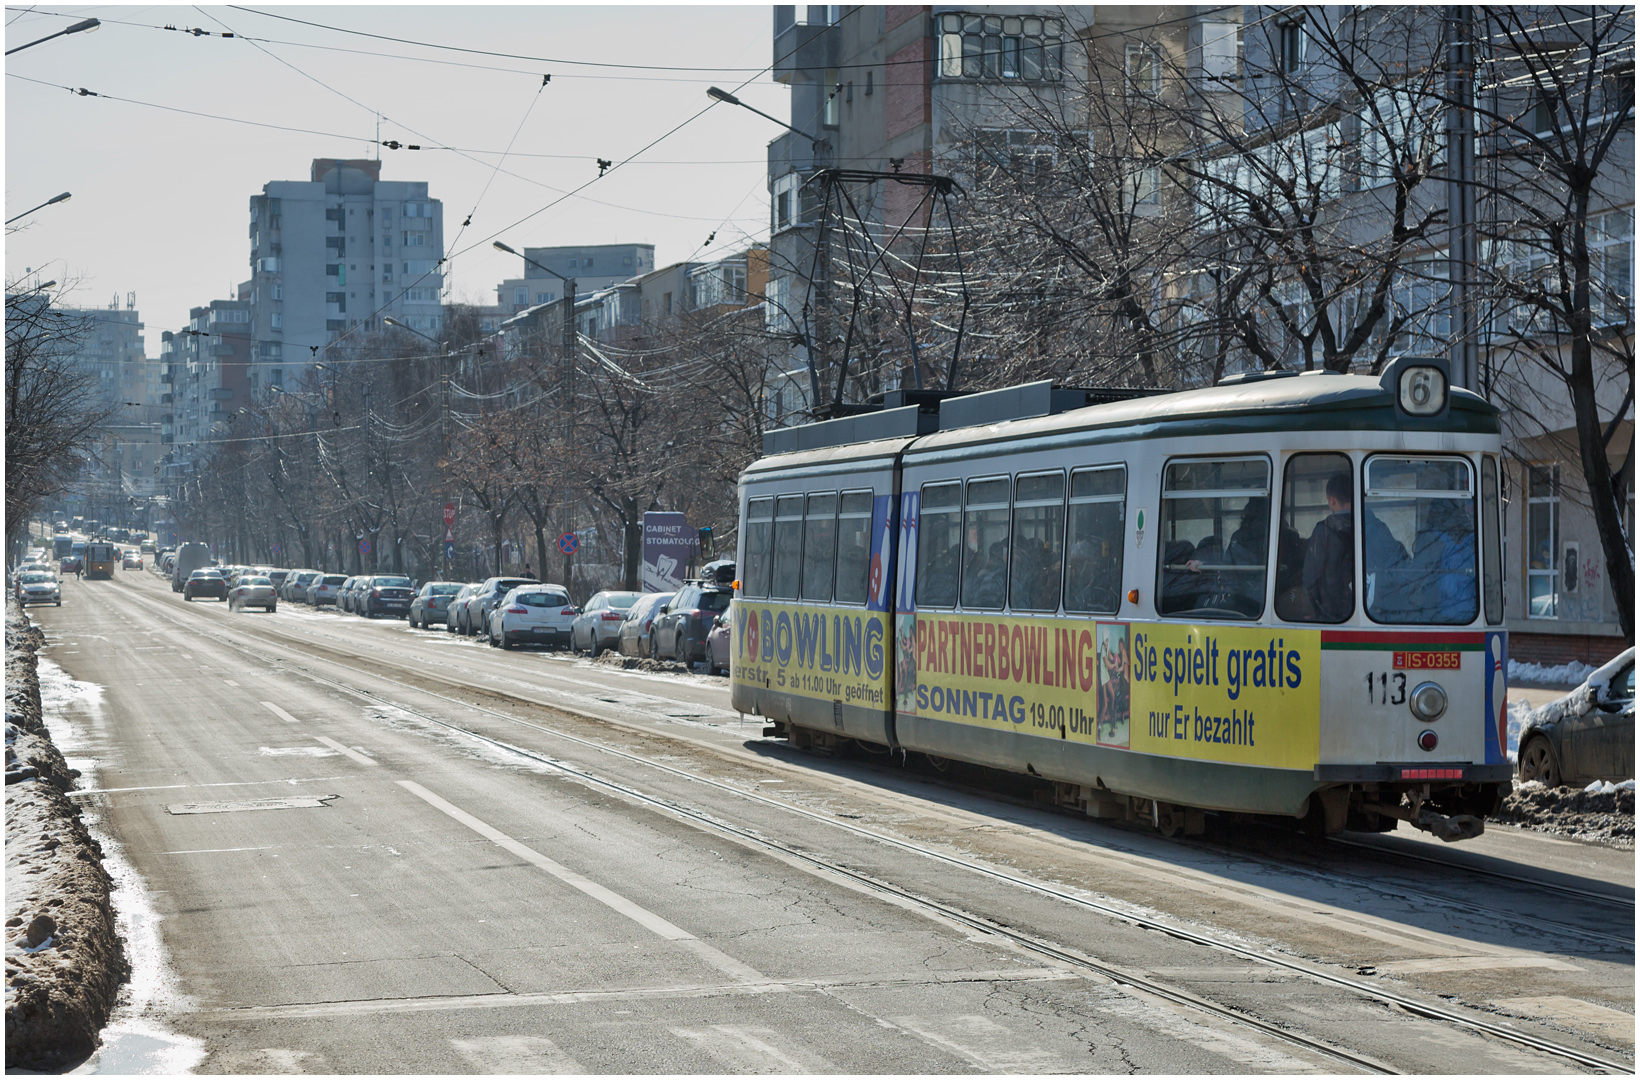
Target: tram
{"x": 1278, "y": 596}
{"x": 99, "y": 560}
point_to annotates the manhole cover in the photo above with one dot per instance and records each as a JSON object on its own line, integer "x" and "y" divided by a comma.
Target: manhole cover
{"x": 290, "y": 803}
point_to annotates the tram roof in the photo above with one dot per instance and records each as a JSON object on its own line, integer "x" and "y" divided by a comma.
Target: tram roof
{"x": 1304, "y": 403}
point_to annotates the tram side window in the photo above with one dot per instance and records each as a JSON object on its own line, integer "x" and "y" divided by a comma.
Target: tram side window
{"x": 854, "y": 547}
{"x": 759, "y": 531}
{"x": 788, "y": 546}
{"x": 1093, "y": 563}
{"x": 939, "y": 545}
{"x": 1427, "y": 575}
{"x": 1492, "y": 556}
{"x": 819, "y": 546}
{"x": 1039, "y": 533}
{"x": 985, "y": 544}
{"x": 1315, "y": 554}
{"x": 1215, "y": 538}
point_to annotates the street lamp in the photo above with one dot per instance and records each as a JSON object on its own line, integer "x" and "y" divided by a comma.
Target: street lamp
{"x": 729, "y": 99}
{"x": 82, "y": 25}
{"x": 56, "y": 199}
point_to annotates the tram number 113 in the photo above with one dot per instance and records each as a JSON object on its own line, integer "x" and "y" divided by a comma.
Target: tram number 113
{"x": 1387, "y": 688}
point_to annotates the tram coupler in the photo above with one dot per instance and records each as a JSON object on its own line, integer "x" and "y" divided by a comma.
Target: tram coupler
{"x": 1456, "y": 827}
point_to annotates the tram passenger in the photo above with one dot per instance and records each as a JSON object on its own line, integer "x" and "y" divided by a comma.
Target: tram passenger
{"x": 1442, "y": 568}
{"x": 986, "y": 583}
{"x": 1329, "y": 559}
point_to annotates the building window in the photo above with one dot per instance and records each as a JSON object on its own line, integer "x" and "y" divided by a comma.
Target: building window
{"x": 276, "y": 377}
{"x": 276, "y": 320}
{"x": 976, "y": 46}
{"x": 520, "y": 297}
{"x": 414, "y": 239}
{"x": 868, "y": 84}
{"x": 1293, "y": 46}
{"x": 1542, "y": 540}
{"x": 833, "y": 92}
{"x": 1144, "y": 69}
{"x": 543, "y": 298}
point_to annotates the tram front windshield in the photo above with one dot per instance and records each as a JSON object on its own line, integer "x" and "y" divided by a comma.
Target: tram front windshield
{"x": 1420, "y": 544}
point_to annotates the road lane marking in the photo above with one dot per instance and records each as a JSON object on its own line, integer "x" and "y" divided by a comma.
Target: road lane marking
{"x": 230, "y": 682}
{"x": 349, "y": 751}
{"x": 517, "y": 1055}
{"x": 751, "y": 1050}
{"x": 982, "y": 1041}
{"x": 216, "y": 850}
{"x": 230, "y": 783}
{"x": 609, "y": 898}
{"x": 281, "y": 713}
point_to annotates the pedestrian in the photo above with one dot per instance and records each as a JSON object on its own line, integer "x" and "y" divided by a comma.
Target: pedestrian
{"x": 528, "y": 572}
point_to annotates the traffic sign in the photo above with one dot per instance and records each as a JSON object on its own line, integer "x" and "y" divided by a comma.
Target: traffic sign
{"x": 449, "y": 513}
{"x": 364, "y": 547}
{"x": 568, "y": 544}
{"x": 449, "y": 533}
{"x": 449, "y": 549}
{"x": 277, "y": 548}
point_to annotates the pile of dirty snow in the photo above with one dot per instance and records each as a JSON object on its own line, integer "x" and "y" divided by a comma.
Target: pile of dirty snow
{"x": 633, "y": 663}
{"x": 64, "y": 960}
{"x": 1602, "y": 812}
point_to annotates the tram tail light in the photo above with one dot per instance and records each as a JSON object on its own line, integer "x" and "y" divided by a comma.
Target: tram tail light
{"x": 1428, "y": 740}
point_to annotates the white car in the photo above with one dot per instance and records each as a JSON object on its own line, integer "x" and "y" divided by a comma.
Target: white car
{"x": 253, "y": 590}
{"x": 38, "y": 587}
{"x": 532, "y": 613}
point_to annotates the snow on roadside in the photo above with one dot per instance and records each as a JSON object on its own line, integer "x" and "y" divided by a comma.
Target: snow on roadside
{"x": 1569, "y": 674}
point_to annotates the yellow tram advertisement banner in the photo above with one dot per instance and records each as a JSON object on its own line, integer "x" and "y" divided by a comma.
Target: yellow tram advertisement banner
{"x": 829, "y": 654}
{"x": 1246, "y": 695}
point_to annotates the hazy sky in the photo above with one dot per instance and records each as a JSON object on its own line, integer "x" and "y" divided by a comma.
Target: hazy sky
{"x": 186, "y": 129}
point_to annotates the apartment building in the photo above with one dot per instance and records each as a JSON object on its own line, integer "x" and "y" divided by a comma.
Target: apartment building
{"x": 336, "y": 254}
{"x": 591, "y": 266}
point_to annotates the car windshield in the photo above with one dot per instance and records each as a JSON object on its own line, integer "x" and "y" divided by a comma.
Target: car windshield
{"x": 714, "y": 601}
{"x": 541, "y": 599}
{"x": 256, "y": 581}
{"x": 205, "y": 574}
{"x": 36, "y": 579}
{"x": 392, "y": 583}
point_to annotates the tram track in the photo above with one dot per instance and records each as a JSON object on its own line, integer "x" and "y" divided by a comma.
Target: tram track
{"x": 372, "y": 666}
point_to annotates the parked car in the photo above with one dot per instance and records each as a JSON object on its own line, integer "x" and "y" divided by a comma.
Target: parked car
{"x": 38, "y": 587}
{"x": 529, "y": 614}
{"x": 457, "y": 606}
{"x": 253, "y": 590}
{"x": 295, "y": 585}
{"x": 718, "y": 641}
{"x": 1588, "y": 734}
{"x": 187, "y": 559}
{"x": 384, "y": 594}
{"x": 350, "y": 589}
{"x": 680, "y": 630}
{"x": 325, "y": 589}
{"x": 475, "y": 617}
{"x": 131, "y": 561}
{"x": 640, "y": 619}
{"x": 205, "y": 582}
{"x": 430, "y": 603}
{"x": 598, "y": 626}
{"x": 277, "y": 576}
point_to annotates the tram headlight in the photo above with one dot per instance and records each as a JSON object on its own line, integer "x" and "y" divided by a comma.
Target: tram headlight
{"x": 1427, "y": 702}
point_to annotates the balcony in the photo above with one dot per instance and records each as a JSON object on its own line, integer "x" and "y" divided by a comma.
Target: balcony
{"x": 220, "y": 393}
{"x": 804, "y": 47}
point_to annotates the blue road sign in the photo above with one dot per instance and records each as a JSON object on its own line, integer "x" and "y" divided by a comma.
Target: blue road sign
{"x": 449, "y": 549}
{"x": 568, "y": 544}
{"x": 364, "y": 547}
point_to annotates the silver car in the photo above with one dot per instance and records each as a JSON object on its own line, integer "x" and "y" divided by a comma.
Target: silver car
{"x": 639, "y": 621}
{"x": 253, "y": 590}
{"x": 598, "y": 626}
{"x": 431, "y": 602}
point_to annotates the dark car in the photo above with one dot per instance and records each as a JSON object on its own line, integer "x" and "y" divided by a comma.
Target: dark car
{"x": 430, "y": 603}
{"x": 384, "y": 594}
{"x": 349, "y": 590}
{"x": 205, "y": 583}
{"x": 680, "y": 629}
{"x": 1587, "y": 735}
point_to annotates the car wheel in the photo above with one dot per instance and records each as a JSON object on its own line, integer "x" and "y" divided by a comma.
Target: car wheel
{"x": 505, "y": 644}
{"x": 592, "y": 645}
{"x": 680, "y": 650}
{"x": 652, "y": 650}
{"x": 272, "y": 608}
{"x": 1537, "y": 762}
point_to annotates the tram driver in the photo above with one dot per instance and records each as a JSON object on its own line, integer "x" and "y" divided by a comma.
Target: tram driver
{"x": 1329, "y": 559}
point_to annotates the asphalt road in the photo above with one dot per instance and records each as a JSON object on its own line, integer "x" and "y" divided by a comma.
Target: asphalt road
{"x": 373, "y": 849}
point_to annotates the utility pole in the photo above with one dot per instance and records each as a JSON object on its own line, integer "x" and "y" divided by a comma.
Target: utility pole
{"x": 1457, "y": 26}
